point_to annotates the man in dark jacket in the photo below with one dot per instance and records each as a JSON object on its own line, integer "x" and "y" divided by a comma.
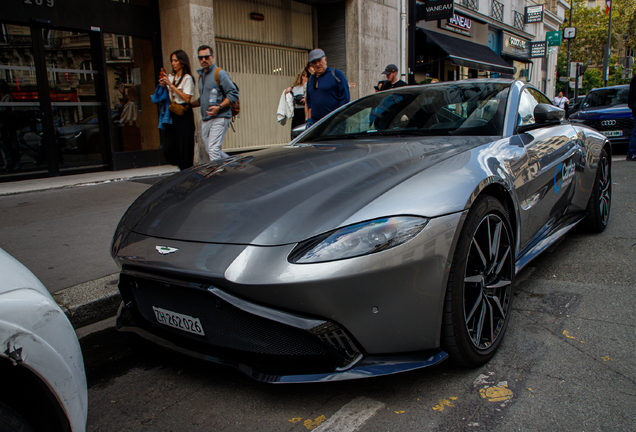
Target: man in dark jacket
{"x": 631, "y": 102}
{"x": 327, "y": 89}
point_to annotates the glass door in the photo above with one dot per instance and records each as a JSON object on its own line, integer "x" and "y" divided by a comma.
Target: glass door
{"x": 63, "y": 131}
{"x": 79, "y": 129}
{"x": 22, "y": 148}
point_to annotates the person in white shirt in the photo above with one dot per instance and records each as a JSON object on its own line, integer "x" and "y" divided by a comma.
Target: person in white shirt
{"x": 562, "y": 102}
{"x": 179, "y": 146}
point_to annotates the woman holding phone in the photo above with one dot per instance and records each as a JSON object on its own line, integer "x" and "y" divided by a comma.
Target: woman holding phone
{"x": 180, "y": 134}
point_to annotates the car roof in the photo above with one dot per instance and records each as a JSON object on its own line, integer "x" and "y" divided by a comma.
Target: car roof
{"x": 610, "y": 87}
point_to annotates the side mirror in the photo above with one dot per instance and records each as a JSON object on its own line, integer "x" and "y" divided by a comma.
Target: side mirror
{"x": 546, "y": 113}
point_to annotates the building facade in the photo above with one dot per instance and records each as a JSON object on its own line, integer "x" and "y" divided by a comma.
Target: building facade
{"x": 454, "y": 48}
{"x": 76, "y": 77}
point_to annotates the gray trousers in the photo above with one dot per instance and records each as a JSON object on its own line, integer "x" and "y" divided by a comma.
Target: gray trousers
{"x": 212, "y": 133}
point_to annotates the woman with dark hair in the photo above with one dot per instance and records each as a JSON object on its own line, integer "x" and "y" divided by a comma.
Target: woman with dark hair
{"x": 180, "y": 134}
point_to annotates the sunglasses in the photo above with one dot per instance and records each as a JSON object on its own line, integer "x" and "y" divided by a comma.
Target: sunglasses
{"x": 204, "y": 57}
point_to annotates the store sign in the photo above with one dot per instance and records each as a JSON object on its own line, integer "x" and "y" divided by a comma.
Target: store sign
{"x": 534, "y": 14}
{"x": 434, "y": 10}
{"x": 460, "y": 22}
{"x": 517, "y": 43}
{"x": 538, "y": 49}
{"x": 553, "y": 38}
{"x": 515, "y": 46}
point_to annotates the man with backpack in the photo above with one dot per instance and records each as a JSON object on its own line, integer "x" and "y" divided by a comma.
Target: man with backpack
{"x": 217, "y": 96}
{"x": 327, "y": 89}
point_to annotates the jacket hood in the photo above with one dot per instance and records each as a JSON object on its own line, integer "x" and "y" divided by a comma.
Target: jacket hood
{"x": 283, "y": 195}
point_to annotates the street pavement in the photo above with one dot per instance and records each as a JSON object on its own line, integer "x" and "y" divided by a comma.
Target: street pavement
{"x": 567, "y": 362}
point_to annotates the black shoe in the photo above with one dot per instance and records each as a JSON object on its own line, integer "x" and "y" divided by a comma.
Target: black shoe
{"x": 630, "y": 158}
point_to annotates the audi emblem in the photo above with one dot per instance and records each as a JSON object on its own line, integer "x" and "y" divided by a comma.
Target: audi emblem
{"x": 608, "y": 122}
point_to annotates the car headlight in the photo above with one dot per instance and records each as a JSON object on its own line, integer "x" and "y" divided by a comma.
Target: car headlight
{"x": 357, "y": 240}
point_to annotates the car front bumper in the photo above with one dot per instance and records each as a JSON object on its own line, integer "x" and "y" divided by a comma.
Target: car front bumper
{"x": 281, "y": 322}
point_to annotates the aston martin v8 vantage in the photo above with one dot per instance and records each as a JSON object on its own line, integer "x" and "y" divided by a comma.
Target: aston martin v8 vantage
{"x": 383, "y": 239}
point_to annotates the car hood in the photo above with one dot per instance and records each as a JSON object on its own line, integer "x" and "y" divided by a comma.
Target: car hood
{"x": 14, "y": 275}
{"x": 603, "y": 113}
{"x": 285, "y": 194}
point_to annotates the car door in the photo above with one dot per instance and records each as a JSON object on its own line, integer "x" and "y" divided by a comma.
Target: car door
{"x": 554, "y": 159}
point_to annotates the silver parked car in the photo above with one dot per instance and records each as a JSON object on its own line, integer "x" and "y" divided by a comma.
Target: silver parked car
{"x": 43, "y": 380}
{"x": 383, "y": 239}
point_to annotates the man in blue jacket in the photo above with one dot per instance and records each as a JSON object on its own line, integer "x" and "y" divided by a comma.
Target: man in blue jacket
{"x": 327, "y": 89}
{"x": 631, "y": 102}
{"x": 215, "y": 101}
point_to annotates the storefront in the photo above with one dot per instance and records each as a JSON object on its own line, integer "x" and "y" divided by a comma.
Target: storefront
{"x": 516, "y": 51}
{"x": 454, "y": 49}
{"x": 75, "y": 84}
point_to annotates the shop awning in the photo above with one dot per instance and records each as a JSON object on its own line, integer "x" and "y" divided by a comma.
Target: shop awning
{"x": 469, "y": 54}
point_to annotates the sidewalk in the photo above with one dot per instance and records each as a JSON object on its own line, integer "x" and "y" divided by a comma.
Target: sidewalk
{"x": 48, "y": 183}
{"x": 95, "y": 300}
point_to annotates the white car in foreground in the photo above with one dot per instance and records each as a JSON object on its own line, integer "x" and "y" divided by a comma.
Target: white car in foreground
{"x": 41, "y": 365}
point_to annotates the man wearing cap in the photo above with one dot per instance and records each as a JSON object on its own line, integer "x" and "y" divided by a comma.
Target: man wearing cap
{"x": 327, "y": 89}
{"x": 392, "y": 80}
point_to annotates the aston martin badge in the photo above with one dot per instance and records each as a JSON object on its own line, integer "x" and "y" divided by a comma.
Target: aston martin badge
{"x": 165, "y": 250}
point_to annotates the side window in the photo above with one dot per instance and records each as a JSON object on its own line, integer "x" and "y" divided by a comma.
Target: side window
{"x": 540, "y": 97}
{"x": 526, "y": 108}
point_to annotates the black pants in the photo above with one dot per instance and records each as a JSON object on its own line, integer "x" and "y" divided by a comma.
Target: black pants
{"x": 299, "y": 117}
{"x": 179, "y": 148}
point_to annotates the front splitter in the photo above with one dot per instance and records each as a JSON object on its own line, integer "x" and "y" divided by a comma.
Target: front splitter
{"x": 370, "y": 366}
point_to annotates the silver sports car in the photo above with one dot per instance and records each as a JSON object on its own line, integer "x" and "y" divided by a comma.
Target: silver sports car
{"x": 385, "y": 238}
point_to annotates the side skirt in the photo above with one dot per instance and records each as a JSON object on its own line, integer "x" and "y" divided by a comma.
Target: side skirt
{"x": 547, "y": 239}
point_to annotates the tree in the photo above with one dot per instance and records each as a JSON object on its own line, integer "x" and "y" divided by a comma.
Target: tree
{"x": 588, "y": 46}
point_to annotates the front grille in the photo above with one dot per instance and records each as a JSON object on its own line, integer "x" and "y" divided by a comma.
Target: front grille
{"x": 624, "y": 124}
{"x": 225, "y": 325}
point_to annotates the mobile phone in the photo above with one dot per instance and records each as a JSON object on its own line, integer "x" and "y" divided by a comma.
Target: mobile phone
{"x": 377, "y": 88}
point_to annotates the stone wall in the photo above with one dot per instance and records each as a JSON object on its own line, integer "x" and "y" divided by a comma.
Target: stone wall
{"x": 373, "y": 42}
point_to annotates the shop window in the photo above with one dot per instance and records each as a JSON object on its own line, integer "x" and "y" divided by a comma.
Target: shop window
{"x": 131, "y": 81}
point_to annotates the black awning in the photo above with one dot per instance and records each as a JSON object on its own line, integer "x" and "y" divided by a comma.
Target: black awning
{"x": 469, "y": 54}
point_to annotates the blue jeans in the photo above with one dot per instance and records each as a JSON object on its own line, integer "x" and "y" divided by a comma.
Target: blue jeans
{"x": 631, "y": 151}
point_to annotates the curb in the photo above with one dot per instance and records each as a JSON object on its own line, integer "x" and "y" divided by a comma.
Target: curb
{"x": 90, "y": 302}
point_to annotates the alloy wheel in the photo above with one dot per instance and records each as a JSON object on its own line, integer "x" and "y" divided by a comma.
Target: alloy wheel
{"x": 605, "y": 190}
{"x": 488, "y": 282}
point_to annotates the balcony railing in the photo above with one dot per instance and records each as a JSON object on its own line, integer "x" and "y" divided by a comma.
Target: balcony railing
{"x": 518, "y": 20}
{"x": 471, "y": 4}
{"x": 496, "y": 11}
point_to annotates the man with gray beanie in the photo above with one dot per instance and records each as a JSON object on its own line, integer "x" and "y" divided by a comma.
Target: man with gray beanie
{"x": 327, "y": 89}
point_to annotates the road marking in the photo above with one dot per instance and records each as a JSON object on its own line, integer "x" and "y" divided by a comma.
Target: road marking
{"x": 499, "y": 393}
{"x": 567, "y": 335}
{"x": 444, "y": 403}
{"x": 313, "y": 424}
{"x": 605, "y": 358}
{"x": 351, "y": 416}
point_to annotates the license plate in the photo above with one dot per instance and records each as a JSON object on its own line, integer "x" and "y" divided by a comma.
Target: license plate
{"x": 179, "y": 321}
{"x": 613, "y": 133}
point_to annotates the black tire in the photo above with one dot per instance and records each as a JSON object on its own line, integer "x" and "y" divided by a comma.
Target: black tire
{"x": 600, "y": 203}
{"x": 478, "y": 299}
{"x": 10, "y": 421}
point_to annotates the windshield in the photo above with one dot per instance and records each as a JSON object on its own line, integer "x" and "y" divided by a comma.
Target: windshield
{"x": 606, "y": 97}
{"x": 475, "y": 109}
